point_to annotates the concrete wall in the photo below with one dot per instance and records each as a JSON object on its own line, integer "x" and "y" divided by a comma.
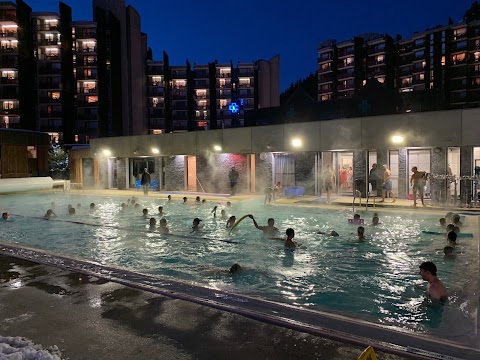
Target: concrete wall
{"x": 174, "y": 170}
{"x": 305, "y": 171}
{"x": 212, "y": 171}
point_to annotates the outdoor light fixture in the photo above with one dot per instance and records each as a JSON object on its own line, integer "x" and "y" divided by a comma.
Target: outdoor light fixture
{"x": 155, "y": 151}
{"x": 397, "y": 139}
{"x": 217, "y": 148}
{"x": 296, "y": 143}
{"x": 107, "y": 152}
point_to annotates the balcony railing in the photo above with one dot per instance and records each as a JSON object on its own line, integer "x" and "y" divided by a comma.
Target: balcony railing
{"x": 373, "y": 62}
{"x": 49, "y": 71}
{"x": 345, "y": 52}
{"x": 51, "y": 114}
{"x": 8, "y": 49}
{"x": 245, "y": 73}
{"x": 378, "y": 49}
{"x": 224, "y": 75}
{"x": 87, "y": 91}
{"x": 14, "y": 111}
{"x": 8, "y": 17}
{"x": 44, "y": 27}
{"x": 82, "y": 116}
{"x": 325, "y": 78}
{"x": 325, "y": 57}
{"x": 156, "y": 123}
{"x": 346, "y": 87}
{"x": 8, "y": 81}
{"x": 49, "y": 100}
{"x": 9, "y": 93}
{"x": 82, "y": 76}
{"x": 158, "y": 83}
{"x": 49, "y": 85}
{"x": 8, "y": 34}
{"x": 87, "y": 50}
{"x": 202, "y": 107}
{"x": 8, "y": 63}
{"x": 346, "y": 74}
{"x": 46, "y": 42}
{"x": 83, "y": 103}
{"x": 85, "y": 34}
{"x": 156, "y": 113}
{"x": 155, "y": 91}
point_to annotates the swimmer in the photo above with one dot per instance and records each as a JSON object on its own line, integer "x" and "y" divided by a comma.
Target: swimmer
{"x": 443, "y": 222}
{"x": 49, "y": 214}
{"x": 169, "y": 198}
{"x": 160, "y": 211}
{"x": 235, "y": 268}
{"x": 214, "y": 211}
{"x": 71, "y": 211}
{"x": 197, "y": 200}
{"x": 128, "y": 204}
{"x": 124, "y": 206}
{"x": 229, "y": 204}
{"x": 329, "y": 233}
{"x": 163, "y": 227}
{"x": 145, "y": 213}
{"x": 223, "y": 215}
{"x": 92, "y": 206}
{"x": 268, "y": 191}
{"x": 448, "y": 217}
{"x": 360, "y": 233}
{"x": 196, "y": 224}
{"x": 356, "y": 216}
{"x": 204, "y": 201}
{"x": 456, "y": 229}
{"x": 137, "y": 205}
{"x": 452, "y": 238}
{"x": 435, "y": 288}
{"x": 449, "y": 251}
{"x": 456, "y": 220}
{"x": 230, "y": 222}
{"x": 268, "y": 230}
{"x": 450, "y": 227}
{"x": 5, "y": 216}
{"x": 153, "y": 224}
{"x": 79, "y": 206}
{"x": 52, "y": 205}
{"x": 289, "y": 243}
{"x": 185, "y": 199}
{"x": 375, "y": 220}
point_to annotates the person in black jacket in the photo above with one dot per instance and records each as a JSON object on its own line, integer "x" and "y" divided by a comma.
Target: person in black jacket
{"x": 145, "y": 181}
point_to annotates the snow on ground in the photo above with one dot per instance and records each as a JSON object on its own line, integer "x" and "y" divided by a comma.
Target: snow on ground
{"x": 17, "y": 348}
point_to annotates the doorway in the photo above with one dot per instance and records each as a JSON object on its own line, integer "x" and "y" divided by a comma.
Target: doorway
{"x": 420, "y": 159}
{"x": 87, "y": 173}
{"x": 284, "y": 170}
{"x": 191, "y": 173}
{"x": 343, "y": 163}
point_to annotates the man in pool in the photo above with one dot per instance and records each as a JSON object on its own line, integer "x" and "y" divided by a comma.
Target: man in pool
{"x": 436, "y": 290}
{"x": 163, "y": 229}
{"x": 269, "y": 230}
{"x": 230, "y": 222}
{"x": 360, "y": 233}
{"x": 196, "y": 224}
{"x": 153, "y": 224}
{"x": 49, "y": 214}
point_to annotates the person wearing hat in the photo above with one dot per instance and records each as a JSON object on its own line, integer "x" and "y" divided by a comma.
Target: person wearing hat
{"x": 145, "y": 181}
{"x": 196, "y": 224}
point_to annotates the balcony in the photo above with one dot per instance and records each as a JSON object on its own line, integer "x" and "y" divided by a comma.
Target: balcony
{"x": 9, "y": 81}
{"x": 459, "y": 97}
{"x": 54, "y": 85}
{"x": 7, "y": 63}
{"x": 179, "y": 96}
{"x": 87, "y": 50}
{"x": 406, "y": 71}
{"x": 460, "y": 46}
{"x": 13, "y": 111}
{"x": 156, "y": 113}
{"x": 49, "y": 100}
{"x": 87, "y": 64}
{"x": 406, "y": 59}
{"x": 325, "y": 78}
{"x": 84, "y": 103}
{"x": 245, "y": 73}
{"x": 179, "y": 106}
{"x": 8, "y": 34}
{"x": 155, "y": 71}
{"x": 156, "y": 91}
{"x": 202, "y": 107}
{"x": 156, "y": 123}
{"x": 45, "y": 70}
{"x": 8, "y": 49}
{"x": 200, "y": 74}
{"x": 342, "y": 87}
{"x": 88, "y": 76}
{"x": 181, "y": 115}
{"x": 51, "y": 114}
{"x": 8, "y": 17}
{"x": 48, "y": 42}
{"x": 346, "y": 52}
{"x": 377, "y": 71}
{"x": 377, "y": 49}
{"x": 343, "y": 65}
{"x": 49, "y": 57}
{"x": 44, "y": 27}
{"x": 373, "y": 62}
{"x": 89, "y": 34}
{"x": 158, "y": 83}
{"x": 346, "y": 74}
{"x": 245, "y": 93}
{"x": 9, "y": 93}
{"x": 87, "y": 91}
{"x": 87, "y": 116}
{"x": 224, "y": 75}
{"x": 325, "y": 57}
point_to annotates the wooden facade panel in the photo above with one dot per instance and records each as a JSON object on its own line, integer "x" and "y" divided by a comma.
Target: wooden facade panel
{"x": 14, "y": 161}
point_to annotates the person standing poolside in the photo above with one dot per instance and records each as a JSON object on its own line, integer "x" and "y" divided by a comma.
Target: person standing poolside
{"x": 329, "y": 181}
{"x": 372, "y": 178}
{"x": 387, "y": 184}
{"x": 418, "y": 182}
{"x": 145, "y": 181}
{"x": 436, "y": 290}
{"x": 277, "y": 191}
{"x": 268, "y": 230}
{"x": 233, "y": 176}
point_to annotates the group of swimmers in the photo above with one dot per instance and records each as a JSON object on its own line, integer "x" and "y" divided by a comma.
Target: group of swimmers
{"x": 70, "y": 210}
{"x": 453, "y": 229}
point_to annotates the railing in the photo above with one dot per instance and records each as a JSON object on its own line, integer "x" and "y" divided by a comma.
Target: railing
{"x": 156, "y": 92}
{"x": 87, "y": 91}
{"x": 52, "y": 114}
{"x": 81, "y": 76}
{"x": 156, "y": 113}
{"x": 8, "y": 34}
{"x": 8, "y": 17}
{"x": 8, "y": 49}
{"x": 156, "y": 123}
{"x": 48, "y": 27}
{"x": 49, "y": 85}
{"x": 14, "y": 111}
{"x": 49, "y": 71}
{"x": 87, "y": 50}
{"x": 346, "y": 74}
{"x": 9, "y": 93}
{"x": 81, "y": 116}
{"x": 156, "y": 83}
{"x": 44, "y": 42}
{"x": 202, "y": 107}
{"x": 7, "y": 81}
{"x": 224, "y": 75}
{"x": 49, "y": 100}
{"x": 82, "y": 103}
{"x": 345, "y": 52}
{"x": 7, "y": 63}
{"x": 85, "y": 35}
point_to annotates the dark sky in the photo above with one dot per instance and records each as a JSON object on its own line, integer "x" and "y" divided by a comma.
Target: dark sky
{"x": 204, "y": 30}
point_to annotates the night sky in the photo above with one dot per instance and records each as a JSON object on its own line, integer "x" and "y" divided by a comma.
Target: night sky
{"x": 248, "y": 30}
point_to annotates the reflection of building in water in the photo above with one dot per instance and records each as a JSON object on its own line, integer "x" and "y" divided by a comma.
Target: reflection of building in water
{"x": 263, "y": 155}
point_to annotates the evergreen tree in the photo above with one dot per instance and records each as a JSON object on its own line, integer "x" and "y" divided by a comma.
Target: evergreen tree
{"x": 57, "y": 159}
{"x": 309, "y": 85}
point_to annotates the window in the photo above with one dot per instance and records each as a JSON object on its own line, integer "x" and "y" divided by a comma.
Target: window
{"x": 443, "y": 60}
{"x": 32, "y": 152}
{"x": 7, "y": 105}
{"x": 421, "y": 76}
{"x": 91, "y": 99}
{"x": 155, "y": 102}
{"x": 458, "y": 33}
{"x": 55, "y": 95}
{"x": 431, "y": 85}
{"x": 476, "y": 81}
{"x": 381, "y": 79}
{"x": 419, "y": 42}
{"x": 348, "y": 61}
{"x": 419, "y": 54}
{"x": 380, "y": 58}
{"x": 326, "y": 66}
{"x": 325, "y": 97}
{"x": 458, "y": 58}
{"x": 476, "y": 56}
{"x": 406, "y": 81}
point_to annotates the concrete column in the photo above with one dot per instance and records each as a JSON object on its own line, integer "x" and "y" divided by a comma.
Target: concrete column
{"x": 360, "y": 171}
{"x": 103, "y": 172}
{"x": 438, "y": 167}
{"x": 264, "y": 175}
{"x": 403, "y": 173}
{"x": 466, "y": 166}
{"x": 159, "y": 170}
{"x": 122, "y": 166}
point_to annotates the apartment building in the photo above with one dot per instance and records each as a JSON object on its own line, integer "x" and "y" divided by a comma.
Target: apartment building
{"x": 209, "y": 96}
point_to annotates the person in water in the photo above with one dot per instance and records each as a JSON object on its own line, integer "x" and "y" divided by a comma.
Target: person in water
{"x": 329, "y": 233}
{"x": 153, "y": 224}
{"x": 361, "y": 233}
{"x": 49, "y": 214}
{"x": 163, "y": 227}
{"x": 435, "y": 289}
{"x": 289, "y": 243}
{"x": 196, "y": 224}
{"x": 160, "y": 211}
{"x": 145, "y": 213}
{"x": 230, "y": 222}
{"x": 269, "y": 230}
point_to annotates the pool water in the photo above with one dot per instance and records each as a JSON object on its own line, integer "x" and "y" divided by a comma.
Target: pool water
{"x": 372, "y": 280}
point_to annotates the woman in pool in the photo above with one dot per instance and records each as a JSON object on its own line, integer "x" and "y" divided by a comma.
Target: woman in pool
{"x": 196, "y": 224}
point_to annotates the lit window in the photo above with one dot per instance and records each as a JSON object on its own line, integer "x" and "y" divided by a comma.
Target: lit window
{"x": 7, "y": 105}
{"x": 476, "y": 55}
{"x": 76, "y": 138}
{"x": 421, "y": 76}
{"x": 458, "y": 58}
{"x": 348, "y": 60}
{"x": 325, "y": 97}
{"x": 381, "y": 79}
{"x": 91, "y": 99}
{"x": 443, "y": 60}
{"x": 326, "y": 66}
{"x": 457, "y": 33}
{"x": 380, "y": 58}
{"x": 55, "y": 95}
{"x": 406, "y": 81}
{"x": 431, "y": 85}
{"x": 364, "y": 82}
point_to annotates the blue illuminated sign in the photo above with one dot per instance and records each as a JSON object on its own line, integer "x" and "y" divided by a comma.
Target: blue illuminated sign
{"x": 233, "y": 107}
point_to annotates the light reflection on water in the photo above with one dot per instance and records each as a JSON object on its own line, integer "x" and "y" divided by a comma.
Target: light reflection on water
{"x": 338, "y": 274}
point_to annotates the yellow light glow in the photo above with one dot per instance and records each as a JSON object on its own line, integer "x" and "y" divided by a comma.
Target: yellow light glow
{"x": 107, "y": 152}
{"x": 296, "y": 142}
{"x": 155, "y": 151}
{"x": 217, "y": 148}
{"x": 397, "y": 139}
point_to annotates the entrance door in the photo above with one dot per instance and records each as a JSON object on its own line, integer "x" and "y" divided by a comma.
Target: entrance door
{"x": 344, "y": 166}
{"x": 191, "y": 173}
{"x": 87, "y": 172}
{"x": 420, "y": 159}
{"x": 284, "y": 170}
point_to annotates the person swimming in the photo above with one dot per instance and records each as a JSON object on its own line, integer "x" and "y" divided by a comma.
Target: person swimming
{"x": 196, "y": 224}
{"x": 197, "y": 200}
{"x": 268, "y": 230}
{"x": 329, "y": 233}
{"x": 145, "y": 213}
{"x": 375, "y": 220}
{"x": 160, "y": 211}
{"x": 230, "y": 222}
{"x": 185, "y": 199}
{"x": 5, "y": 216}
{"x": 153, "y": 224}
{"x": 360, "y": 233}
{"x": 49, "y": 214}
{"x": 169, "y": 198}
{"x": 163, "y": 227}
{"x": 443, "y": 222}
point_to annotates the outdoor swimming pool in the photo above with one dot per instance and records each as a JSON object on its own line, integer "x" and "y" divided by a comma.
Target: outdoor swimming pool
{"x": 372, "y": 280}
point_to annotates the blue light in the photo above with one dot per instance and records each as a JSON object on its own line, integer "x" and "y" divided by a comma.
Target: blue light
{"x": 233, "y": 107}
{"x": 241, "y": 102}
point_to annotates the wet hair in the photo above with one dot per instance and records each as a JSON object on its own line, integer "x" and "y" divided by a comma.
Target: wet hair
{"x": 429, "y": 266}
{"x": 5, "y": 215}
{"x": 290, "y": 232}
{"x": 271, "y": 219}
{"x": 356, "y": 216}
{"x": 414, "y": 168}
{"x": 169, "y": 197}
{"x": 456, "y": 229}
{"x": 160, "y": 209}
{"x": 197, "y": 220}
{"x": 185, "y": 199}
{"x": 456, "y": 218}
{"x": 152, "y": 221}
{"x": 235, "y": 268}
{"x": 452, "y": 236}
{"x": 163, "y": 222}
{"x": 204, "y": 201}
{"x": 71, "y": 211}
{"x": 447, "y": 250}
{"x": 450, "y": 227}
{"x": 360, "y": 230}
{"x": 332, "y": 233}
{"x": 443, "y": 221}
{"x": 197, "y": 199}
{"x": 145, "y": 211}
{"x": 49, "y": 212}
{"x": 92, "y": 205}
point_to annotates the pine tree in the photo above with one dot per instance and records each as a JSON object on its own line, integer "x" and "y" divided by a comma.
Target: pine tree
{"x": 58, "y": 159}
